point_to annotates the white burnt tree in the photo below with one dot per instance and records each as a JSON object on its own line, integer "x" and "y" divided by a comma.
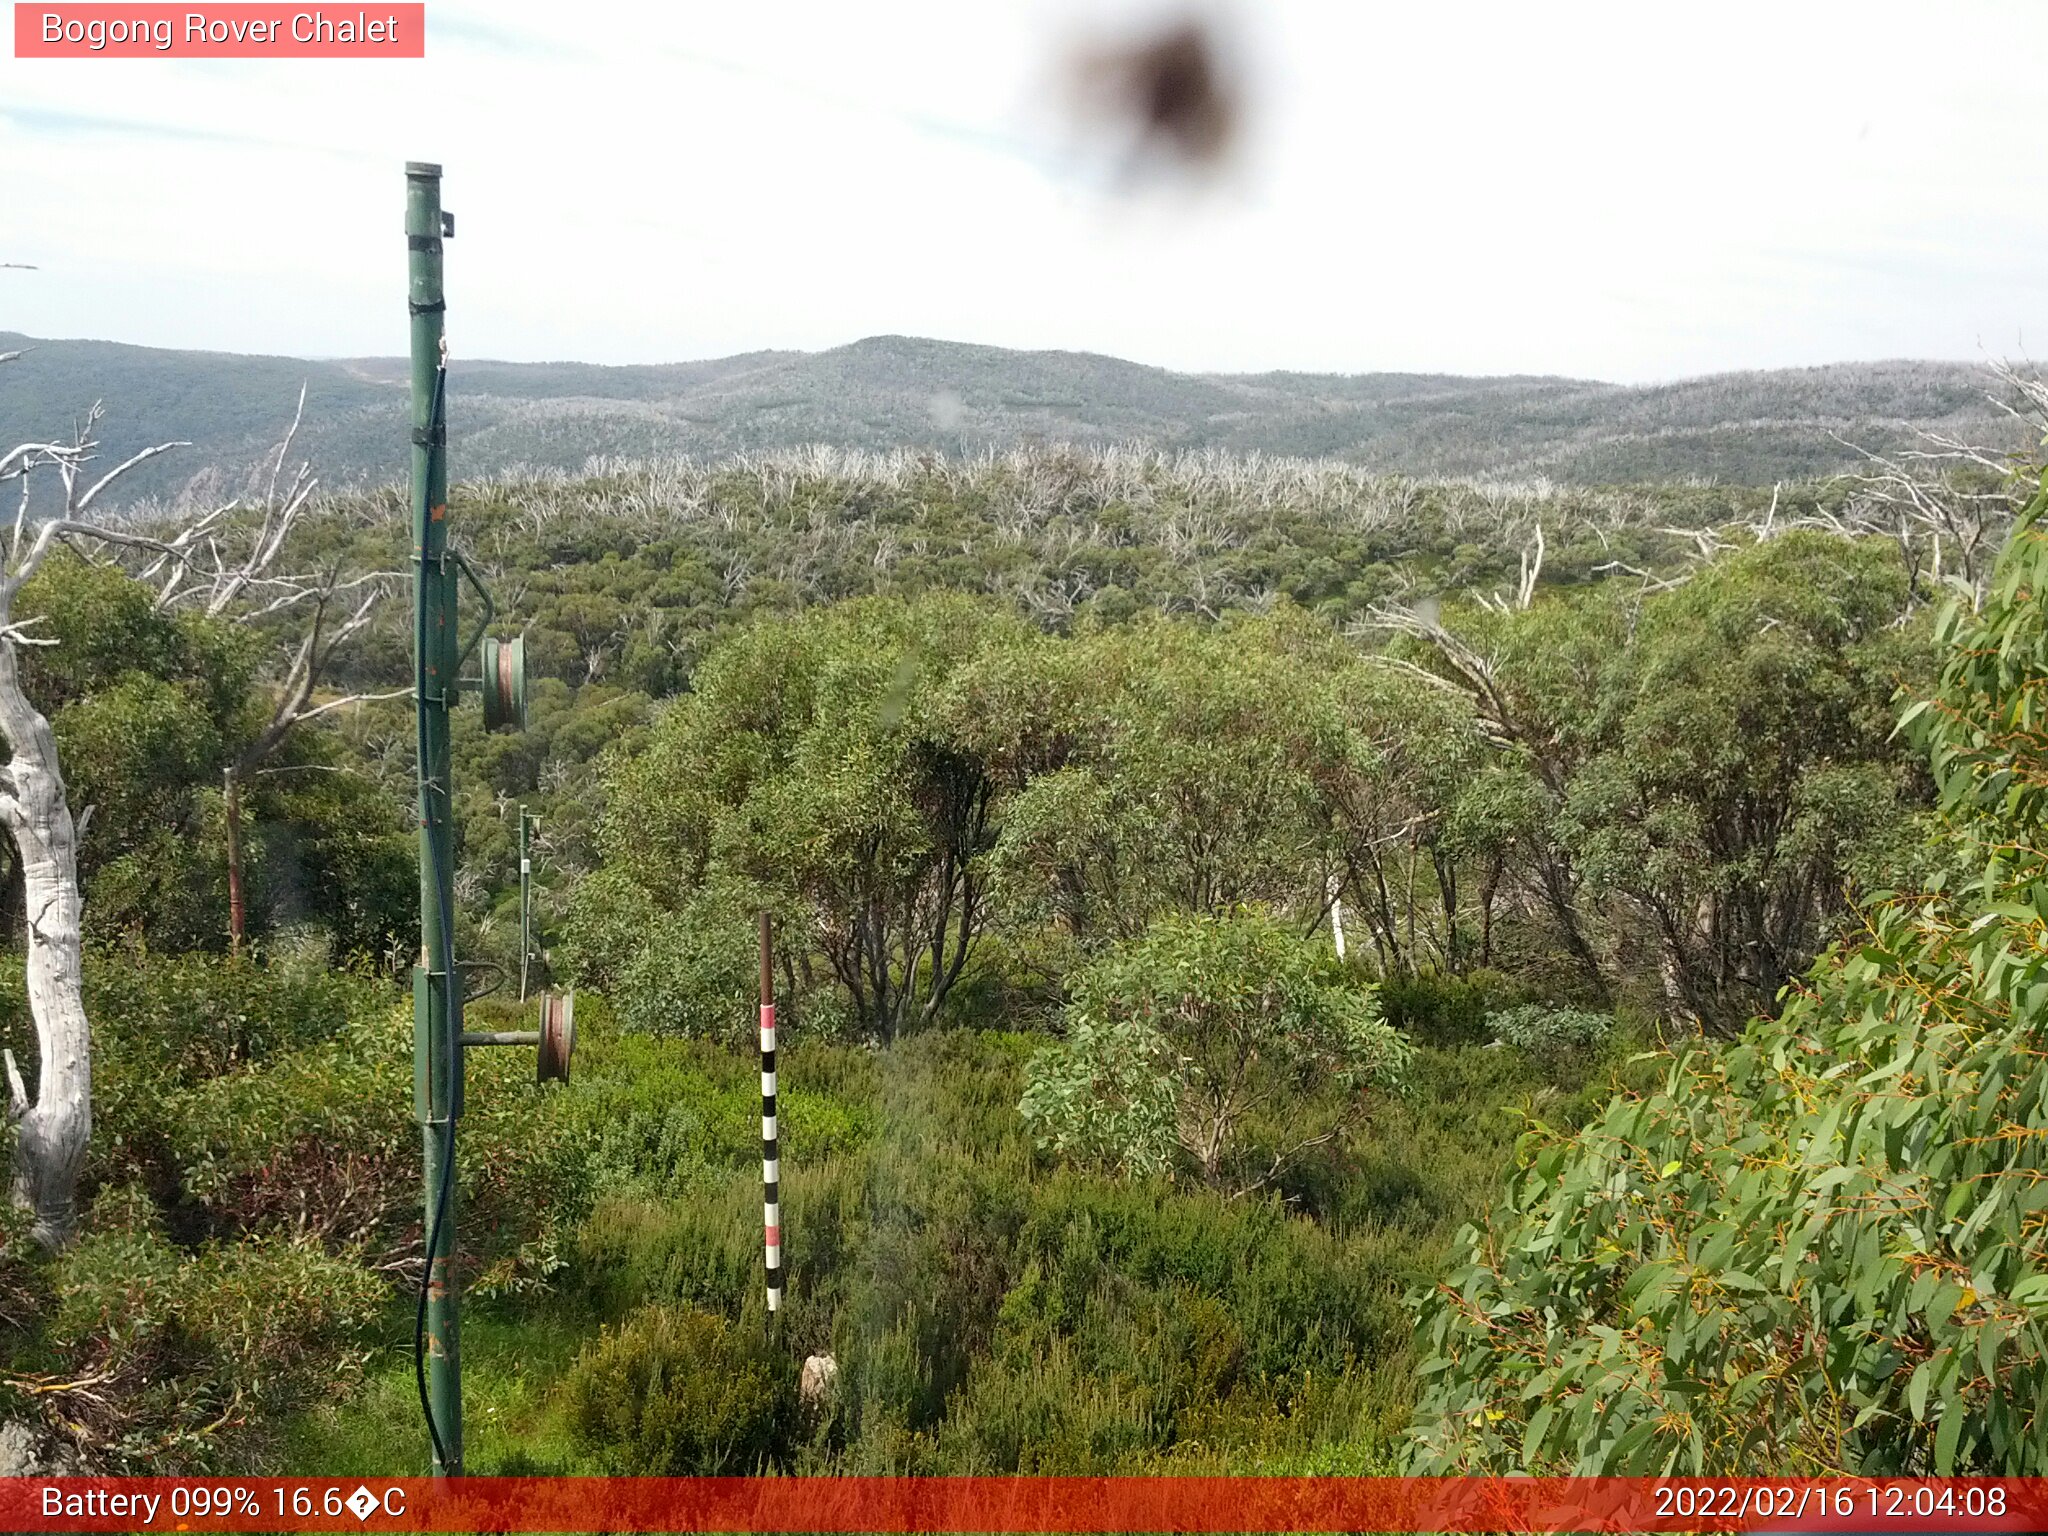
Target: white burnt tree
{"x": 53, "y": 1124}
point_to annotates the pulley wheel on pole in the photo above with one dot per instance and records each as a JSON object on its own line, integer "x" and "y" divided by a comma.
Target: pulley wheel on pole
{"x": 504, "y": 683}
{"x": 557, "y": 1035}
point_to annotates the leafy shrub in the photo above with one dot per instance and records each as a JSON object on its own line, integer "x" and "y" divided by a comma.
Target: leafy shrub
{"x": 1048, "y": 1415}
{"x": 323, "y": 1135}
{"x": 691, "y": 971}
{"x": 1138, "y": 1327}
{"x": 1822, "y": 1246}
{"x": 1551, "y": 1032}
{"x": 990, "y": 1312}
{"x": 163, "y": 1023}
{"x": 672, "y": 1130}
{"x": 676, "y": 1392}
{"x": 179, "y": 1346}
{"x": 1434, "y": 1156}
{"x": 323, "y": 1141}
{"x": 668, "y": 1116}
{"x": 1297, "y": 1297}
{"x": 1441, "y": 1010}
{"x": 1176, "y": 1039}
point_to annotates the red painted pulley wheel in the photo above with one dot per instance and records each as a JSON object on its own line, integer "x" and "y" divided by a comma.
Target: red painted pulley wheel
{"x": 557, "y": 1035}
{"x": 504, "y": 683}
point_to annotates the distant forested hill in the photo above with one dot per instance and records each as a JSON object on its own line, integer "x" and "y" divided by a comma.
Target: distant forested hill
{"x": 896, "y": 392}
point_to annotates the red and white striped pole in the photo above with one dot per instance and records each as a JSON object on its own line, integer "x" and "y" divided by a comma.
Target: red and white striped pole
{"x": 771, "y": 1162}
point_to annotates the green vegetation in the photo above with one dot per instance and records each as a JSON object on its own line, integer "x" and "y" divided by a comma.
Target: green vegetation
{"x": 1202, "y": 887}
{"x": 148, "y": 708}
{"x": 1825, "y": 1246}
{"x": 1177, "y": 1042}
{"x": 678, "y": 1392}
{"x": 990, "y": 1308}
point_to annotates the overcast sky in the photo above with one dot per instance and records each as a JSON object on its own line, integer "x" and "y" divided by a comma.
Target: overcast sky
{"x": 1631, "y": 192}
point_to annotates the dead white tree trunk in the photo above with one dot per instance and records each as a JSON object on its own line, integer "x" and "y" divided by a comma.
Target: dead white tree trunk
{"x": 54, "y": 1124}
{"x": 52, "y": 1129}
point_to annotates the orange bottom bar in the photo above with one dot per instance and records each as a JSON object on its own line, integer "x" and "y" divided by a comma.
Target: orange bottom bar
{"x": 1075, "y": 1504}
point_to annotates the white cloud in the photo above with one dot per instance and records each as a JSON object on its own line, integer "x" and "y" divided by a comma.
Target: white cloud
{"x": 1618, "y": 190}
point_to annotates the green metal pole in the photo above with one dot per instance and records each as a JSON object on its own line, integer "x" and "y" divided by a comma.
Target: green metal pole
{"x": 437, "y": 999}
{"x": 525, "y": 903}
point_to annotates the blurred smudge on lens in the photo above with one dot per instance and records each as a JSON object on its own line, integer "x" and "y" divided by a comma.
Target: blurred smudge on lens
{"x": 1173, "y": 95}
{"x": 947, "y": 410}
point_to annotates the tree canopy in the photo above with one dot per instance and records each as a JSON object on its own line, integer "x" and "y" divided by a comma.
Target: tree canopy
{"x": 1822, "y": 1247}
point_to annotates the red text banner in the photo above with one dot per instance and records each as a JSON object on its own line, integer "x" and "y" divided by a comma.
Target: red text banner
{"x": 228, "y": 31}
{"x": 1065, "y": 1504}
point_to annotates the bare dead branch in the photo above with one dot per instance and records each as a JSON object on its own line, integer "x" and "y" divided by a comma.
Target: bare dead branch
{"x": 285, "y": 447}
{"x": 121, "y": 469}
{"x": 354, "y": 699}
{"x": 1532, "y": 567}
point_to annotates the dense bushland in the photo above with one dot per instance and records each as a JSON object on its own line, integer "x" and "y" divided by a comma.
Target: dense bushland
{"x": 1661, "y": 798}
{"x": 623, "y": 583}
{"x": 927, "y": 396}
{"x": 1062, "y": 776}
{"x": 148, "y": 708}
{"x": 1823, "y": 1247}
{"x": 991, "y": 1309}
{"x": 254, "y": 1196}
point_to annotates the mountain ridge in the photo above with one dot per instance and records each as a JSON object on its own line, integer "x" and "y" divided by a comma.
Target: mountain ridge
{"x": 890, "y": 391}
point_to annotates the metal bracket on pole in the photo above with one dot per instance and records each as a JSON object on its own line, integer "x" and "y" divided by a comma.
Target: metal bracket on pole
{"x": 490, "y": 608}
{"x": 555, "y": 1040}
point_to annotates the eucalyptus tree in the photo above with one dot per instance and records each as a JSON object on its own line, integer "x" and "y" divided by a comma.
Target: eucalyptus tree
{"x": 1188, "y": 784}
{"x": 1821, "y": 1246}
{"x": 142, "y": 704}
{"x": 240, "y": 574}
{"x": 1223, "y": 1045}
{"x": 1713, "y": 755}
{"x": 812, "y": 769}
{"x": 1193, "y": 768}
{"x": 1399, "y": 782}
{"x": 1746, "y": 767}
{"x": 158, "y": 681}
{"x": 1531, "y": 677}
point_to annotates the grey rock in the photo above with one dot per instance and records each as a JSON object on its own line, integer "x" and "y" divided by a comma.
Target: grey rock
{"x": 18, "y": 1456}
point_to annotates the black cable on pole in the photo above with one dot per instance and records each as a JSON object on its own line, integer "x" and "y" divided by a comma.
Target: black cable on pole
{"x": 419, "y": 1331}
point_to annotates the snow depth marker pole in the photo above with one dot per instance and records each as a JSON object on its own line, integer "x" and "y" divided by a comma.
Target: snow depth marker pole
{"x": 771, "y": 1162}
